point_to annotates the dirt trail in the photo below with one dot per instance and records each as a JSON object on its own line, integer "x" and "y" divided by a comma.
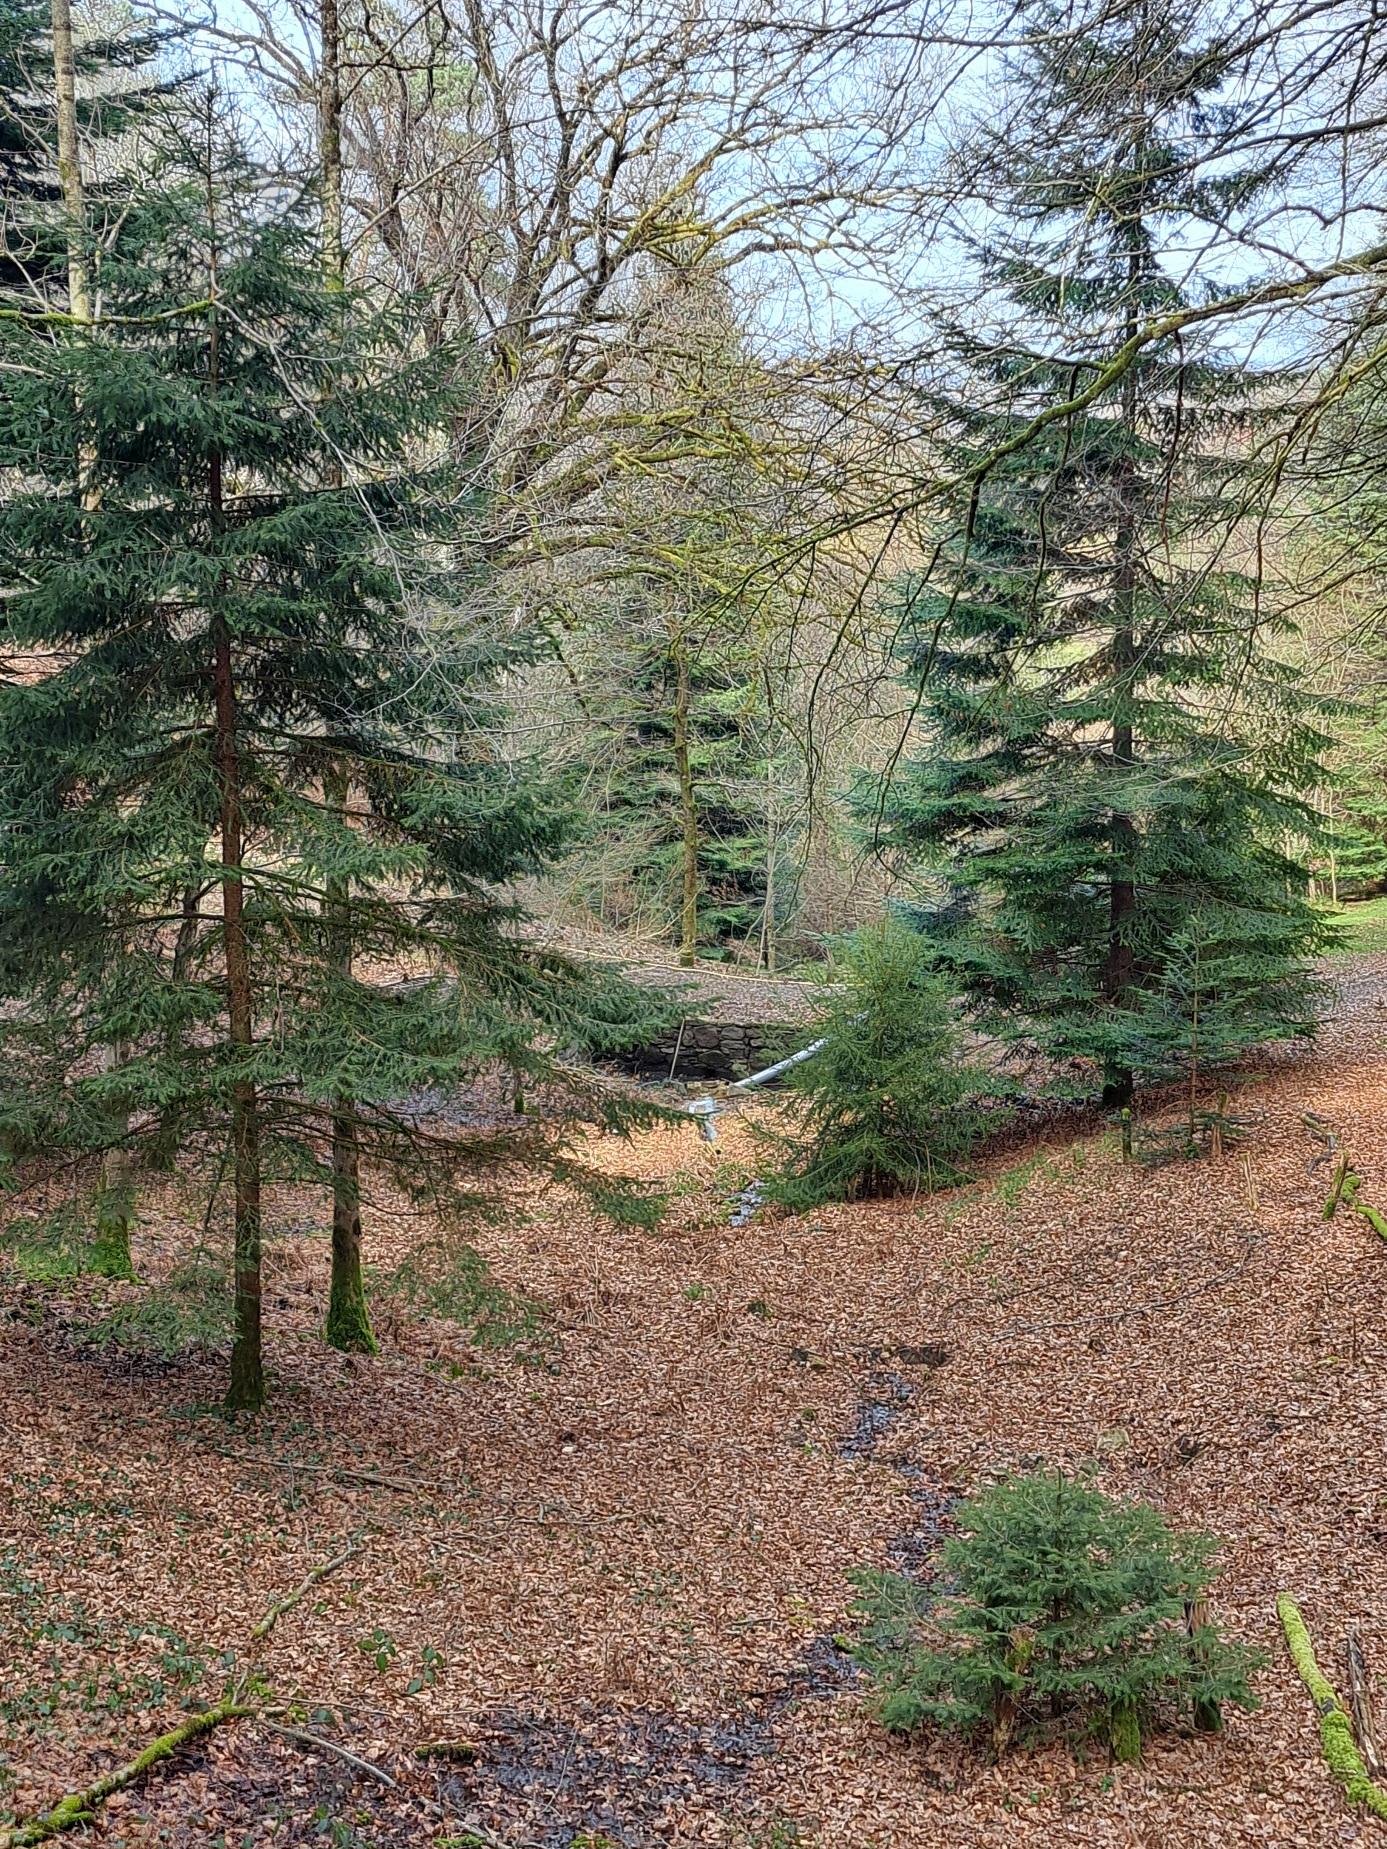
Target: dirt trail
{"x": 620, "y": 1575}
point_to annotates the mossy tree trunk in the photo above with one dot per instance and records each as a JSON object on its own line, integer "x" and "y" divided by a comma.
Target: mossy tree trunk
{"x": 1125, "y": 1733}
{"x": 688, "y": 809}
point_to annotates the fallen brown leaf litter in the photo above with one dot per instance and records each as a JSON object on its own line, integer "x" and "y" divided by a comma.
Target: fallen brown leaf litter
{"x": 611, "y": 1582}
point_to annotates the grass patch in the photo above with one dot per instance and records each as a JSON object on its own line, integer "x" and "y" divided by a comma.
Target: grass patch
{"x": 1362, "y": 928}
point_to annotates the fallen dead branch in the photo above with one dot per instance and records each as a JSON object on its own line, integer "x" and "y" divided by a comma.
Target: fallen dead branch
{"x": 413, "y": 1485}
{"x": 1323, "y": 1133}
{"x": 321, "y": 1743}
{"x": 548, "y": 1515}
{"x": 290, "y": 1600}
{"x": 81, "y": 1806}
{"x": 1361, "y": 1702}
{"x": 1336, "y": 1729}
{"x": 1142, "y": 1309}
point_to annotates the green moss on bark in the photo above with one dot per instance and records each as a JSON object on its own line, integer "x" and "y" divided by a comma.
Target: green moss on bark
{"x": 1336, "y": 1729}
{"x": 1125, "y": 1734}
{"x": 110, "y": 1253}
{"x": 348, "y": 1321}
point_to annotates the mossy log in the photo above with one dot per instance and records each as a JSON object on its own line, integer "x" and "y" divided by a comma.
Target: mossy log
{"x": 81, "y": 1806}
{"x": 1336, "y": 1729}
{"x": 456, "y": 1752}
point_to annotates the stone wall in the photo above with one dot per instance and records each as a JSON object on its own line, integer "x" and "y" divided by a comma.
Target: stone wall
{"x": 715, "y": 1050}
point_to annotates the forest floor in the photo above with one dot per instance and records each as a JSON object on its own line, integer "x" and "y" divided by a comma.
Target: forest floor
{"x": 614, "y": 1559}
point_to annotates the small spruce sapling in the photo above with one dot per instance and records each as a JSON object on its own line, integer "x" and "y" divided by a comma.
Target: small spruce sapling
{"x": 1067, "y": 1612}
{"x": 888, "y": 1103}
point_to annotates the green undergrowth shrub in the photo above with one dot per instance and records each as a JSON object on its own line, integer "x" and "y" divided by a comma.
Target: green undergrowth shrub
{"x": 189, "y": 1311}
{"x": 455, "y": 1284}
{"x": 84, "y": 1237}
{"x": 888, "y": 1104}
{"x": 48, "y": 1248}
{"x": 1064, "y": 1612}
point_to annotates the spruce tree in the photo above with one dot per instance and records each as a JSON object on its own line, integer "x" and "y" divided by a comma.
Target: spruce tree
{"x": 1063, "y": 1612}
{"x": 244, "y": 576}
{"x": 888, "y": 1102}
{"x": 679, "y": 777}
{"x": 1107, "y": 745}
{"x": 685, "y": 749}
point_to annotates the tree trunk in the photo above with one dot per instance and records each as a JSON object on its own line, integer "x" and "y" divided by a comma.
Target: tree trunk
{"x": 330, "y": 145}
{"x": 79, "y": 292}
{"x": 1118, "y": 968}
{"x": 115, "y": 1198}
{"x": 162, "y": 1149}
{"x": 768, "y": 945}
{"x": 246, "y": 1389}
{"x": 688, "y": 811}
{"x": 348, "y": 1322}
{"x": 1208, "y": 1716}
{"x": 348, "y": 1325}
{"x": 1122, "y": 892}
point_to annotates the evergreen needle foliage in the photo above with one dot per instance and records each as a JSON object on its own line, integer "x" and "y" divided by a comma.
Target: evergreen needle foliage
{"x": 1110, "y": 747}
{"x": 710, "y": 707}
{"x": 888, "y": 1103}
{"x": 261, "y": 717}
{"x": 1066, "y": 1611}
